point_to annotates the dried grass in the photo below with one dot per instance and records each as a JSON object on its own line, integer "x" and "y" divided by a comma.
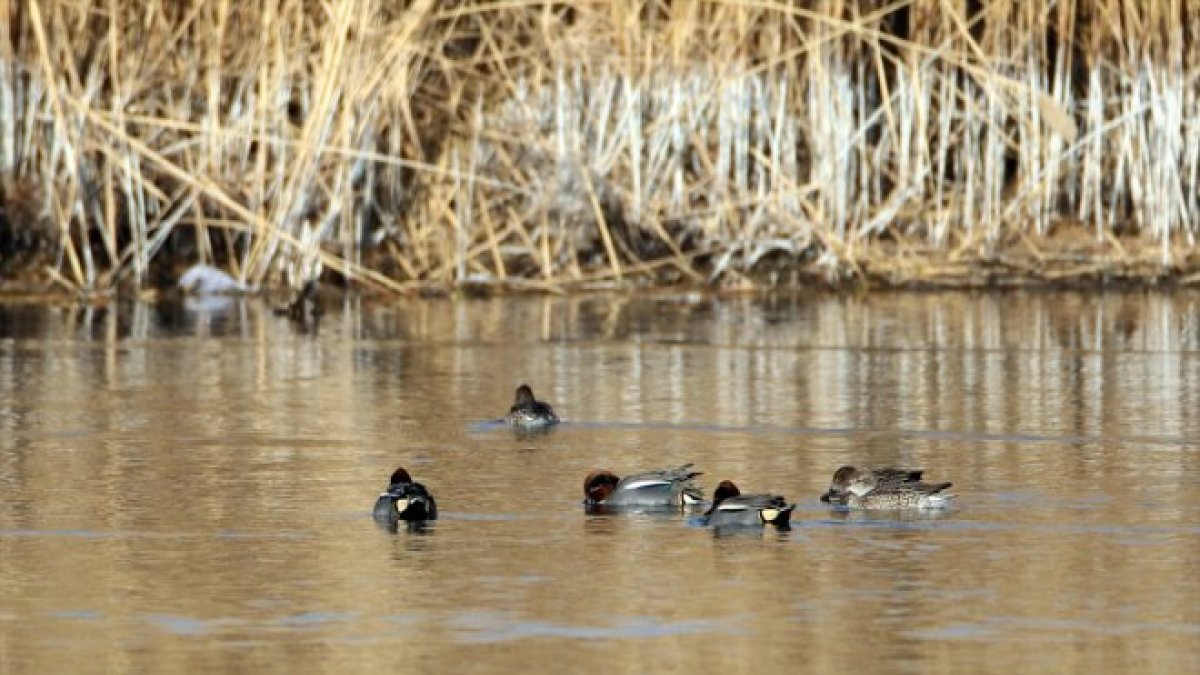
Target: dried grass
{"x": 636, "y": 142}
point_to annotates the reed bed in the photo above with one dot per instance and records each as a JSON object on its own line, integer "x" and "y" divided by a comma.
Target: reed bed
{"x": 565, "y": 145}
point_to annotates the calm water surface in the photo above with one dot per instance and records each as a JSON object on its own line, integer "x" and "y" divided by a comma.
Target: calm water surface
{"x": 187, "y": 487}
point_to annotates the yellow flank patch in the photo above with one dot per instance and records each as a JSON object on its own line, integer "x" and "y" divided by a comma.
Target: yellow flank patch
{"x": 401, "y": 505}
{"x": 769, "y": 515}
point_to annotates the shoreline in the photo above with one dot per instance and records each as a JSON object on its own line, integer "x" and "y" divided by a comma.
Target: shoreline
{"x": 1072, "y": 261}
{"x": 995, "y": 278}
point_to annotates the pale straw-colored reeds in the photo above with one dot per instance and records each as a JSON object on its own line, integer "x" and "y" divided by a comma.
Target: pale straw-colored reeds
{"x": 560, "y": 145}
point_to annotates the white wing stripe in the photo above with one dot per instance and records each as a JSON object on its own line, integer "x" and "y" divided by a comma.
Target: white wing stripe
{"x": 649, "y": 482}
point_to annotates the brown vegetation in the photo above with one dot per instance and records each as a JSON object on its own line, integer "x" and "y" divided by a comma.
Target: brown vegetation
{"x": 559, "y": 145}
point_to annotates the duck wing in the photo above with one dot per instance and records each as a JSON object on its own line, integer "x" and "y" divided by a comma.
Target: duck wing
{"x": 928, "y": 488}
{"x": 750, "y": 502}
{"x": 649, "y": 479}
{"x": 662, "y": 484}
{"x": 766, "y": 508}
{"x": 893, "y": 475}
{"x": 918, "y": 488}
{"x": 532, "y": 407}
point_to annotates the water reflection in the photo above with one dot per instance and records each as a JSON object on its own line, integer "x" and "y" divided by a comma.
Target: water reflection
{"x": 183, "y": 478}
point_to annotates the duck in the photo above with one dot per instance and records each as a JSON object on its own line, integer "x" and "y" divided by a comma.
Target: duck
{"x": 866, "y": 491}
{"x": 528, "y": 413}
{"x": 662, "y": 487}
{"x": 839, "y": 487}
{"x": 732, "y": 508}
{"x": 404, "y": 499}
{"x": 304, "y": 307}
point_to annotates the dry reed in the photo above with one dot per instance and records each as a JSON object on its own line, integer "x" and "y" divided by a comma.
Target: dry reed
{"x": 553, "y": 145}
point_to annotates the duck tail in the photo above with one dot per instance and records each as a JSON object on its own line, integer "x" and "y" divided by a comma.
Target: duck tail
{"x": 778, "y": 516}
{"x": 421, "y": 506}
{"x": 683, "y": 473}
{"x": 938, "y": 500}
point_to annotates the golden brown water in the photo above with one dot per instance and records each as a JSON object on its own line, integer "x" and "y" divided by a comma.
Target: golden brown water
{"x": 188, "y": 489}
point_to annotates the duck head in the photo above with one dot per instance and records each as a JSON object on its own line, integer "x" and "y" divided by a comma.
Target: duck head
{"x": 842, "y": 477}
{"x": 862, "y": 484}
{"x": 840, "y": 484}
{"x": 599, "y": 485}
{"x": 523, "y": 396}
{"x": 725, "y": 490}
{"x": 400, "y": 475}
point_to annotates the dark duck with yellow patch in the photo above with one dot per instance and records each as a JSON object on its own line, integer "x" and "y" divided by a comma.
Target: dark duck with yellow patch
{"x": 404, "y": 499}
{"x": 732, "y": 508}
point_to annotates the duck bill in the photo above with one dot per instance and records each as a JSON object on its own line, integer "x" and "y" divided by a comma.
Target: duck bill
{"x": 835, "y": 497}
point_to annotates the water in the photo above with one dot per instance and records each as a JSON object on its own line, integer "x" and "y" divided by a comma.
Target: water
{"x": 188, "y": 487}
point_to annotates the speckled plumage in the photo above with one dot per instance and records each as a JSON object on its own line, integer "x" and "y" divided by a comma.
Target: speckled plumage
{"x": 839, "y": 487}
{"x": 867, "y": 492}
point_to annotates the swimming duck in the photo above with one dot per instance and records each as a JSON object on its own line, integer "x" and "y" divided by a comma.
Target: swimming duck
{"x": 304, "y": 307}
{"x": 665, "y": 487}
{"x": 731, "y": 507}
{"x": 404, "y": 499}
{"x": 868, "y": 492}
{"x": 529, "y": 413}
{"x": 839, "y": 487}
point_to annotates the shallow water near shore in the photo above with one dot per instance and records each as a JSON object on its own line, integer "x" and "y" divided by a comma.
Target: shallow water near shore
{"x": 187, "y": 487}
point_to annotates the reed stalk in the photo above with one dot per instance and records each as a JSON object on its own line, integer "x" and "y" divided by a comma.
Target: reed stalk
{"x": 733, "y": 142}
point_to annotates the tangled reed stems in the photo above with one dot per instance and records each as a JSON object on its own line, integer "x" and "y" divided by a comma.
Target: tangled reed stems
{"x": 555, "y": 145}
